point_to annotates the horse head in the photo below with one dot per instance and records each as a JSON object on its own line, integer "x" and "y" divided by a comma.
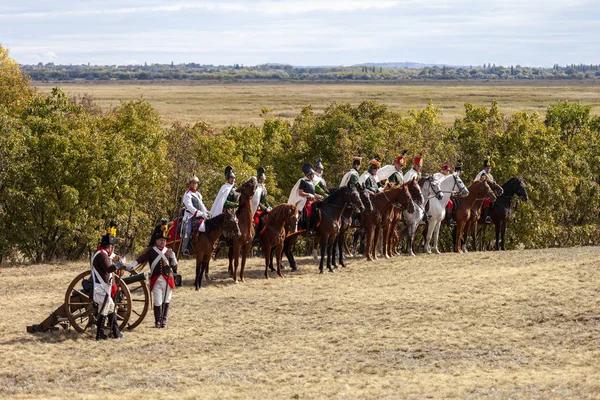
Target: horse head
{"x": 498, "y": 191}
{"x": 486, "y": 190}
{"x": 247, "y": 189}
{"x": 436, "y": 186}
{"x": 292, "y": 219}
{"x": 352, "y": 197}
{"x": 520, "y": 190}
{"x": 365, "y": 197}
{"x": 462, "y": 188}
{"x": 415, "y": 191}
{"x": 231, "y": 223}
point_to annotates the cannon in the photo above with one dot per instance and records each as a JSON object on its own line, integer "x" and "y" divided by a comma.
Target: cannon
{"x": 132, "y": 301}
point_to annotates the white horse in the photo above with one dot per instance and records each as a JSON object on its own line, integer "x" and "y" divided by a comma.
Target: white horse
{"x": 437, "y": 208}
{"x": 429, "y": 187}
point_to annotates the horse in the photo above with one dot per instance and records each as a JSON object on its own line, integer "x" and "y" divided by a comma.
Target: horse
{"x": 204, "y": 242}
{"x": 330, "y": 211}
{"x": 478, "y": 190}
{"x": 437, "y": 209}
{"x": 501, "y": 210}
{"x": 476, "y": 214}
{"x": 346, "y": 224}
{"x": 243, "y": 243}
{"x": 429, "y": 188}
{"x": 280, "y": 219}
{"x": 383, "y": 204}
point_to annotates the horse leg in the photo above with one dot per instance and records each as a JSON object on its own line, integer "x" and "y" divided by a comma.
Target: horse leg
{"x": 329, "y": 253}
{"x": 268, "y": 259}
{"x": 474, "y": 236}
{"x": 412, "y": 232}
{"x": 323, "y": 250}
{"x": 368, "y": 243}
{"x": 245, "y": 250}
{"x": 197, "y": 281}
{"x": 279, "y": 251}
{"x": 436, "y": 236}
{"x": 375, "y": 242}
{"x": 427, "y": 236}
{"x": 333, "y": 253}
{"x": 287, "y": 248}
{"x": 340, "y": 245}
{"x": 458, "y": 232}
{"x": 230, "y": 251}
{"x": 236, "y": 259}
{"x": 385, "y": 240}
{"x": 503, "y": 232}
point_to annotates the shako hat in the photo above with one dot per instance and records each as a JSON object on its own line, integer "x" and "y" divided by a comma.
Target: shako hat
{"x": 458, "y": 166}
{"x": 357, "y": 160}
{"x": 401, "y": 159}
{"x": 446, "y": 167}
{"x": 260, "y": 173}
{"x": 229, "y": 172}
{"x": 488, "y": 163}
{"x": 307, "y": 169}
{"x": 418, "y": 160}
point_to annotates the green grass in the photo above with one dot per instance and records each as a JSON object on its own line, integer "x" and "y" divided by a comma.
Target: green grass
{"x": 241, "y": 104}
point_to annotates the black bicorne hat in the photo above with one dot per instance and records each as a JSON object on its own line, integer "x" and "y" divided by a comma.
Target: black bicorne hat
{"x": 260, "y": 173}
{"x": 161, "y": 231}
{"x": 319, "y": 163}
{"x": 307, "y": 169}
{"x": 229, "y": 172}
{"x": 109, "y": 238}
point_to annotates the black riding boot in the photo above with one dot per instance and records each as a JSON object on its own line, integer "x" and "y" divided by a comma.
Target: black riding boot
{"x": 100, "y": 335}
{"x": 163, "y": 322}
{"x": 157, "y": 316}
{"x": 449, "y": 220}
{"x": 486, "y": 215}
{"x": 114, "y": 326}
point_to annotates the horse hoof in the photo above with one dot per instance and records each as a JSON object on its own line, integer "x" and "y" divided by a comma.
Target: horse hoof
{"x": 294, "y": 269}
{"x": 320, "y": 270}
{"x": 197, "y": 288}
{"x": 330, "y": 270}
{"x": 235, "y": 282}
{"x": 437, "y": 252}
{"x": 281, "y": 275}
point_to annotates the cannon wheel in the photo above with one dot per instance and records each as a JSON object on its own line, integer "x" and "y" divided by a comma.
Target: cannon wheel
{"x": 80, "y": 308}
{"x": 140, "y": 303}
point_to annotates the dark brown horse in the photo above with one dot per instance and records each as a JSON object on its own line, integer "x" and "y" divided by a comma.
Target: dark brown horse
{"x": 242, "y": 245}
{"x": 204, "y": 242}
{"x": 280, "y": 219}
{"x": 502, "y": 208}
{"x": 383, "y": 203}
{"x": 476, "y": 214}
{"x": 478, "y": 191}
{"x": 346, "y": 224}
{"x": 330, "y": 211}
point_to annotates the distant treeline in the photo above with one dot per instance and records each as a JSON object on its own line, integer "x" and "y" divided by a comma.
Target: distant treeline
{"x": 193, "y": 71}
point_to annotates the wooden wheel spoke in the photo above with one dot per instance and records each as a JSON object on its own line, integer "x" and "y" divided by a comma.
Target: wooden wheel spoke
{"x": 139, "y": 300}
{"x": 136, "y": 289}
{"x": 136, "y": 313}
{"x": 79, "y": 292}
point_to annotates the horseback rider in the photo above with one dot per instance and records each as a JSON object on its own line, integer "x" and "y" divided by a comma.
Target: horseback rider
{"x": 486, "y": 174}
{"x": 303, "y": 194}
{"x": 103, "y": 264}
{"x": 439, "y": 176}
{"x": 351, "y": 177}
{"x": 259, "y": 201}
{"x": 393, "y": 173}
{"x": 370, "y": 178}
{"x": 415, "y": 171}
{"x": 227, "y": 197}
{"x": 320, "y": 184}
{"x": 194, "y": 209}
{"x": 454, "y": 201}
{"x": 163, "y": 264}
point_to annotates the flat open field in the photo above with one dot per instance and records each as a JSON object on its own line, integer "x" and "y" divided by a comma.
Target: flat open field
{"x": 518, "y": 324}
{"x": 241, "y": 103}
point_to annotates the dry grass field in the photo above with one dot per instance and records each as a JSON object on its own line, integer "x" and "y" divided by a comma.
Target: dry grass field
{"x": 518, "y": 324}
{"x": 241, "y": 103}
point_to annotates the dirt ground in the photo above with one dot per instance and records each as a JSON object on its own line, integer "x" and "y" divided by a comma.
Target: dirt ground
{"x": 518, "y": 324}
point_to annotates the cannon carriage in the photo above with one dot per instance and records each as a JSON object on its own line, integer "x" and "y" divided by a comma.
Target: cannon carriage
{"x": 132, "y": 302}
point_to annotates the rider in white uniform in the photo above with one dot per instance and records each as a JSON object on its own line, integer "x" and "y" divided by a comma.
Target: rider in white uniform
{"x": 194, "y": 208}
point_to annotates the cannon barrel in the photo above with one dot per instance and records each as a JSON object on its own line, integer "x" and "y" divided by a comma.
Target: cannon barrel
{"x": 135, "y": 278}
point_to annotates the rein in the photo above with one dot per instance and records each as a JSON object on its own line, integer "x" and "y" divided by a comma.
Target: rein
{"x": 394, "y": 204}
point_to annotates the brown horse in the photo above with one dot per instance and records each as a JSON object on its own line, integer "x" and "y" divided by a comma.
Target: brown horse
{"x": 476, "y": 214}
{"x": 243, "y": 244}
{"x": 478, "y": 190}
{"x": 282, "y": 218}
{"x": 205, "y": 241}
{"x": 383, "y": 203}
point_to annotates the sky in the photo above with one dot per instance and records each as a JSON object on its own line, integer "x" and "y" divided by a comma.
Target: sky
{"x": 311, "y": 32}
